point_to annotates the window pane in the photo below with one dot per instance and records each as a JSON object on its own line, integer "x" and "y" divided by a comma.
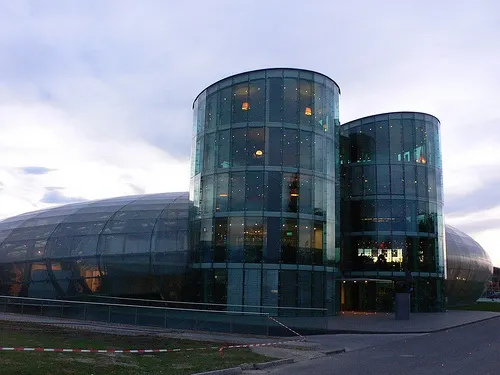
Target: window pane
{"x": 319, "y": 196}
{"x": 384, "y": 217}
{"x": 397, "y": 180}
{"x": 305, "y": 194}
{"x": 238, "y": 147}
{"x": 408, "y": 141}
{"x": 410, "y": 180}
{"x": 255, "y": 191}
{"x": 225, "y": 106}
{"x": 222, "y": 192}
{"x": 411, "y": 216}
{"x": 398, "y": 215}
{"x": 272, "y": 253}
{"x": 305, "y": 240}
{"x": 240, "y": 103}
{"x": 320, "y": 114}
{"x": 306, "y": 102}
{"x": 420, "y": 142}
{"x": 289, "y": 241}
{"x": 290, "y": 193}
{"x": 207, "y": 199}
{"x": 291, "y": 103}
{"x": 273, "y": 199}
{"x": 383, "y": 179}
{"x": 211, "y": 112}
{"x": 319, "y": 153}
{"x": 236, "y": 239}
{"x": 255, "y": 146}
{"x": 199, "y": 155}
{"x": 254, "y": 237}
{"x": 223, "y": 150}
{"x": 368, "y": 179}
{"x": 274, "y": 147}
{"x": 306, "y": 149}
{"x": 422, "y": 182}
{"x": 209, "y": 152}
{"x": 237, "y": 191}
{"x": 382, "y": 136}
{"x": 275, "y": 99}
{"x": 221, "y": 237}
{"x": 396, "y": 141}
{"x": 366, "y": 143}
{"x": 317, "y": 242}
{"x": 257, "y": 101}
{"x": 290, "y": 148}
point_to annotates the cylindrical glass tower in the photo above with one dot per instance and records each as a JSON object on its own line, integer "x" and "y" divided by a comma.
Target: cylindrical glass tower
{"x": 263, "y": 187}
{"x": 392, "y": 203}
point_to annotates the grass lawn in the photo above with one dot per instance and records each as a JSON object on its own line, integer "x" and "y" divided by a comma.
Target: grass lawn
{"x": 13, "y": 334}
{"x": 481, "y": 306}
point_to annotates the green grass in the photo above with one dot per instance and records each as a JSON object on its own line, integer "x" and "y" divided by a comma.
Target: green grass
{"x": 480, "y": 306}
{"x": 184, "y": 362}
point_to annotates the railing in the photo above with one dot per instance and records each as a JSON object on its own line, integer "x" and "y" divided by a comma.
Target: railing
{"x": 257, "y": 323}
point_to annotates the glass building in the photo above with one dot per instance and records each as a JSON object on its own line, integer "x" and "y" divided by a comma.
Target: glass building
{"x": 287, "y": 212}
{"x": 133, "y": 246}
{"x": 469, "y": 268}
{"x": 392, "y": 209}
{"x": 263, "y": 188}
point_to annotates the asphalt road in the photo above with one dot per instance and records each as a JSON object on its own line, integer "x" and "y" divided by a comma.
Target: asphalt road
{"x": 468, "y": 350}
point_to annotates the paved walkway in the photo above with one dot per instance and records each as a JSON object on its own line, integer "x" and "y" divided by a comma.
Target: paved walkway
{"x": 386, "y": 323}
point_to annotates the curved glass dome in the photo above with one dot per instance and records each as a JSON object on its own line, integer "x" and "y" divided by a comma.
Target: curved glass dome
{"x": 469, "y": 268}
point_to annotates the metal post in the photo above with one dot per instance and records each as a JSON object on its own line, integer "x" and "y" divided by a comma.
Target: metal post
{"x": 85, "y": 313}
{"x": 267, "y": 326}
{"x": 62, "y": 309}
{"x": 135, "y": 318}
{"x": 41, "y": 308}
{"x": 165, "y": 320}
{"x": 109, "y": 314}
{"x": 22, "y": 306}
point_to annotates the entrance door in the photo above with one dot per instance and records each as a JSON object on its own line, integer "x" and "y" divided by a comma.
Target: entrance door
{"x": 367, "y": 296}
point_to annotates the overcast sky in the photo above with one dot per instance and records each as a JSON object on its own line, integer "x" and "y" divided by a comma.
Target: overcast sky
{"x": 95, "y": 96}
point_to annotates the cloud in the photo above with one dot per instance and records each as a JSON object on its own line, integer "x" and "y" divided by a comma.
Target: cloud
{"x": 55, "y": 196}
{"x": 36, "y": 170}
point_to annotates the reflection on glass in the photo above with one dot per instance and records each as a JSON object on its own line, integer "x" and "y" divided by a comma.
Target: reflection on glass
{"x": 289, "y": 241}
{"x": 290, "y": 192}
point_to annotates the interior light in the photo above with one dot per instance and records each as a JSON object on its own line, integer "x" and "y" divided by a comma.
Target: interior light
{"x": 294, "y": 194}
{"x": 308, "y": 111}
{"x": 259, "y": 153}
{"x": 245, "y": 106}
{"x": 223, "y": 195}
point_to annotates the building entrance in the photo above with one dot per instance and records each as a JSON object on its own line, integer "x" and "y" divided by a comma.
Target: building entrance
{"x": 367, "y": 295}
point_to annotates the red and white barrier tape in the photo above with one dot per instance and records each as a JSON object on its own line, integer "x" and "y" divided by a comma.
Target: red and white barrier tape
{"x": 222, "y": 348}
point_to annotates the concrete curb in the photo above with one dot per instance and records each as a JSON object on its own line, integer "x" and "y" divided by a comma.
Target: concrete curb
{"x": 261, "y": 366}
{"x": 226, "y": 371}
{"x": 334, "y": 351}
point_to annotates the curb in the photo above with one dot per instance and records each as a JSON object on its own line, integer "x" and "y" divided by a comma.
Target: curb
{"x": 334, "y": 351}
{"x": 226, "y": 371}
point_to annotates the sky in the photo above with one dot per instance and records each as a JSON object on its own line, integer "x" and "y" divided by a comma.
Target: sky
{"x": 95, "y": 96}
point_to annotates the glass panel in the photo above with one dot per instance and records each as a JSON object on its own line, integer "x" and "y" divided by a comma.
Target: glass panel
{"x": 257, "y": 101}
{"x": 398, "y": 215}
{"x": 432, "y": 183}
{"x": 221, "y": 237}
{"x": 209, "y": 152}
{"x": 275, "y": 99}
{"x": 366, "y": 143}
{"x": 420, "y": 142}
{"x": 225, "y": 106}
{"x": 382, "y": 136}
{"x": 255, "y": 191}
{"x": 397, "y": 180}
{"x": 274, "y": 146}
{"x": 369, "y": 180}
{"x": 211, "y": 112}
{"x": 252, "y": 287}
{"x": 236, "y": 239}
{"x": 320, "y": 114}
{"x": 396, "y": 140}
{"x": 238, "y": 147}
{"x": 237, "y": 191}
{"x": 384, "y": 217}
{"x": 254, "y": 238}
{"x": 137, "y": 243}
{"x": 240, "y": 103}
{"x": 319, "y": 153}
{"x": 290, "y": 104}
{"x": 411, "y": 216}
{"x": 207, "y": 199}
{"x": 222, "y": 192}
{"x": 317, "y": 242}
{"x": 235, "y": 288}
{"x": 255, "y": 146}
{"x": 319, "y": 196}
{"x": 290, "y": 148}
{"x": 306, "y": 102}
{"x": 272, "y": 252}
{"x": 408, "y": 141}
{"x": 422, "y": 187}
{"x": 289, "y": 241}
{"x": 306, "y": 149}
{"x": 305, "y": 192}
{"x": 410, "y": 181}
{"x": 290, "y": 194}
{"x": 384, "y": 180}
{"x": 273, "y": 199}
{"x": 305, "y": 241}
{"x": 206, "y": 240}
{"x": 223, "y": 158}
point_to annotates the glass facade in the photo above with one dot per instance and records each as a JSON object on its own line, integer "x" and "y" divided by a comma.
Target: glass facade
{"x": 263, "y": 189}
{"x": 392, "y": 203}
{"x": 135, "y": 245}
{"x": 469, "y": 268}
